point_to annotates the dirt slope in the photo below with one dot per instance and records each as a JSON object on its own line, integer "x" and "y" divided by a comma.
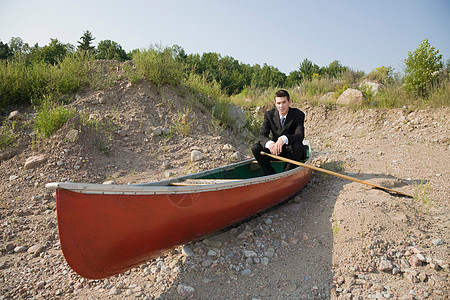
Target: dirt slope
{"x": 334, "y": 239}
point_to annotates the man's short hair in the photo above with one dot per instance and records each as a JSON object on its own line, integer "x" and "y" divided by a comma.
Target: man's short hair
{"x": 283, "y": 93}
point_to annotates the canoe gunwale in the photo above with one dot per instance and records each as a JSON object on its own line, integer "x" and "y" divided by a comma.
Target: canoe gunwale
{"x": 92, "y": 188}
{"x": 164, "y": 187}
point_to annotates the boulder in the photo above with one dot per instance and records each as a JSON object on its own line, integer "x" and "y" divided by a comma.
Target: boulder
{"x": 375, "y": 87}
{"x": 34, "y": 161}
{"x": 14, "y": 115}
{"x": 239, "y": 117}
{"x": 327, "y": 98}
{"x": 351, "y": 97}
{"x": 196, "y": 155}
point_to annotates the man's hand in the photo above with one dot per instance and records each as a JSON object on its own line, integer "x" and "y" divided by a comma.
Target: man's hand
{"x": 276, "y": 148}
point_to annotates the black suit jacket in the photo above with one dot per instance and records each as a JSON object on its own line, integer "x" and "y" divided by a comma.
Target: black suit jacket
{"x": 293, "y": 128}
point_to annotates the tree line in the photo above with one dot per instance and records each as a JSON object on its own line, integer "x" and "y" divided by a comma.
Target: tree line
{"x": 422, "y": 65}
{"x": 232, "y": 75}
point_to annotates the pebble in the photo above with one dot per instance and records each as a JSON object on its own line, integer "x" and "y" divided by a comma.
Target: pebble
{"x": 187, "y": 251}
{"x": 385, "y": 265}
{"x": 36, "y": 249}
{"x": 185, "y": 290}
{"x": 437, "y": 242}
{"x": 246, "y": 272}
{"x": 20, "y": 249}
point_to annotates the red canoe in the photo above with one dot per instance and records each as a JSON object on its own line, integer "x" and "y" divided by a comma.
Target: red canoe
{"x": 107, "y": 229}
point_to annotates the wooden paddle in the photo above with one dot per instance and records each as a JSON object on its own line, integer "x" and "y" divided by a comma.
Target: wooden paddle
{"x": 334, "y": 173}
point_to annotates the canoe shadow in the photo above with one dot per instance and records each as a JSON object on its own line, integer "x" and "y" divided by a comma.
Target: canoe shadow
{"x": 292, "y": 245}
{"x": 299, "y": 230}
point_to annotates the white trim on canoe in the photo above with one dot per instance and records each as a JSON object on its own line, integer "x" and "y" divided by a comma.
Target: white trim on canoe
{"x": 164, "y": 187}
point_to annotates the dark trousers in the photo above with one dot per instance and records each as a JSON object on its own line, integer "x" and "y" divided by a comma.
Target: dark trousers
{"x": 295, "y": 151}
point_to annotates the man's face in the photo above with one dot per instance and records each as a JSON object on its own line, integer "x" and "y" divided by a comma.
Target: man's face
{"x": 282, "y": 104}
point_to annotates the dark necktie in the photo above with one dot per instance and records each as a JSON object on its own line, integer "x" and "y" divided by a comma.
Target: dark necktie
{"x": 282, "y": 121}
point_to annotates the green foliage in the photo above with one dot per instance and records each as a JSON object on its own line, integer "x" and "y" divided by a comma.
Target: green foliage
{"x": 384, "y": 75}
{"x": 421, "y": 66}
{"x": 51, "y": 117}
{"x": 108, "y": 49}
{"x": 307, "y": 69}
{"x": 25, "y": 83}
{"x": 72, "y": 73}
{"x": 159, "y": 66}
{"x": 85, "y": 42}
{"x": 7, "y": 136}
{"x": 183, "y": 121}
{"x": 5, "y": 52}
{"x": 340, "y": 90}
{"x": 317, "y": 86}
{"x": 55, "y": 51}
{"x": 267, "y": 77}
{"x": 439, "y": 96}
{"x": 335, "y": 69}
{"x": 293, "y": 79}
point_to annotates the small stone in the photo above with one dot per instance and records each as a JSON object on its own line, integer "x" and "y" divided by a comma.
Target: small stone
{"x": 423, "y": 277}
{"x": 114, "y": 291}
{"x": 206, "y": 263}
{"x": 268, "y": 221}
{"x": 36, "y": 249}
{"x": 20, "y": 249}
{"x": 34, "y": 161}
{"x": 437, "y": 242}
{"x": 72, "y": 136}
{"x": 187, "y": 251}
{"x": 196, "y": 155}
{"x": 249, "y": 253}
{"x": 14, "y": 115}
{"x": 421, "y": 257}
{"x": 185, "y": 290}
{"x": 385, "y": 265}
{"x": 212, "y": 243}
{"x": 246, "y": 272}
{"x": 414, "y": 261}
{"x": 9, "y": 248}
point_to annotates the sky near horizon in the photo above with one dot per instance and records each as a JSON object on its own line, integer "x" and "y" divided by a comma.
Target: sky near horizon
{"x": 362, "y": 35}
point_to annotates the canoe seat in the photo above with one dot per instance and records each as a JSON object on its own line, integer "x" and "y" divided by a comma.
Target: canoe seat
{"x": 195, "y": 181}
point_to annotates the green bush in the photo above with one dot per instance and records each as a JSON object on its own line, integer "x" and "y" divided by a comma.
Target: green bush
{"x": 318, "y": 86}
{"x": 50, "y": 118}
{"x": 421, "y": 66}
{"x": 382, "y": 75}
{"x": 7, "y": 136}
{"x": 159, "y": 66}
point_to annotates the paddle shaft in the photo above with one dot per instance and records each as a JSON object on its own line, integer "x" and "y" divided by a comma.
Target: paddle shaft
{"x": 334, "y": 173}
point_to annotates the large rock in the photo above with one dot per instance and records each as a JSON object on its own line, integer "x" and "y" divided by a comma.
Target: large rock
{"x": 373, "y": 86}
{"x": 239, "y": 117}
{"x": 351, "y": 97}
{"x": 34, "y": 161}
{"x": 328, "y": 97}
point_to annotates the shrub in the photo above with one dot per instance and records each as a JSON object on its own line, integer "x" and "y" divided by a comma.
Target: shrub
{"x": 421, "y": 66}
{"x": 382, "y": 75}
{"x": 318, "y": 85}
{"x": 50, "y": 118}
{"x": 159, "y": 66}
{"x": 7, "y": 136}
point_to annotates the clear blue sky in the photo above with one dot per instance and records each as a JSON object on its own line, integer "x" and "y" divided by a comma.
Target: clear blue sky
{"x": 360, "y": 34}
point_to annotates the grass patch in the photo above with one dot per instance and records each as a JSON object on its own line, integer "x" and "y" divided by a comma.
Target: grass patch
{"x": 51, "y": 117}
{"x": 7, "y": 136}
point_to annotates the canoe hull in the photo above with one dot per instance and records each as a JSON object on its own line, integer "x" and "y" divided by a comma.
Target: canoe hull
{"x": 105, "y": 234}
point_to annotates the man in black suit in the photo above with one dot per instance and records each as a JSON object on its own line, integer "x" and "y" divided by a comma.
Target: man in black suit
{"x": 287, "y": 126}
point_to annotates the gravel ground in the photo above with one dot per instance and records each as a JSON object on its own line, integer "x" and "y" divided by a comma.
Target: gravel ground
{"x": 335, "y": 239}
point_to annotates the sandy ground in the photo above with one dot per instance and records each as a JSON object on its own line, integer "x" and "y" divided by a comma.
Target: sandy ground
{"x": 335, "y": 239}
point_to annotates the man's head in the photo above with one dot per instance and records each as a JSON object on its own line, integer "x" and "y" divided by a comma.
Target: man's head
{"x": 282, "y": 102}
